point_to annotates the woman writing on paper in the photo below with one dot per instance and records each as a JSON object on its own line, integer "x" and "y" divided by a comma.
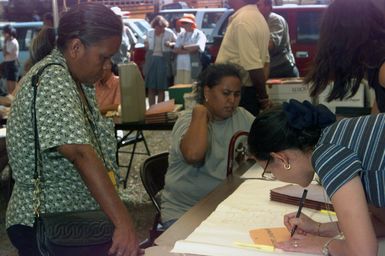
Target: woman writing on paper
{"x": 301, "y": 139}
{"x": 200, "y": 140}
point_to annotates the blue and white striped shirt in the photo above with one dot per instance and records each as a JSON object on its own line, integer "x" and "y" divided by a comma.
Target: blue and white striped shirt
{"x": 353, "y": 147}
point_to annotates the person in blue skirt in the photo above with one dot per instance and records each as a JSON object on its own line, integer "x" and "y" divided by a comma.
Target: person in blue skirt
{"x": 157, "y": 69}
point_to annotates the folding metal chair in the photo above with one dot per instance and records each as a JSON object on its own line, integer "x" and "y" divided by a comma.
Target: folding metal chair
{"x": 152, "y": 173}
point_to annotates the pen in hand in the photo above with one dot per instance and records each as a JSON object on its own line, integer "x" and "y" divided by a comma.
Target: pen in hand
{"x": 299, "y": 211}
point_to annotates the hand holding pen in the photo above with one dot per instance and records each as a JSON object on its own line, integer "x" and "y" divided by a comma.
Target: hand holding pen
{"x": 306, "y": 225}
{"x": 301, "y": 203}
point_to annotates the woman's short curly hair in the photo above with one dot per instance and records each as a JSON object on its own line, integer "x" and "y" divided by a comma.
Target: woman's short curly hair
{"x": 213, "y": 75}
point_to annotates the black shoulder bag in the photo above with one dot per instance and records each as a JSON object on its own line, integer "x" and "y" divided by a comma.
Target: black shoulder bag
{"x": 66, "y": 233}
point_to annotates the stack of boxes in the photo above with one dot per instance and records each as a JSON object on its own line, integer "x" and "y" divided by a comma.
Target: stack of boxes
{"x": 282, "y": 90}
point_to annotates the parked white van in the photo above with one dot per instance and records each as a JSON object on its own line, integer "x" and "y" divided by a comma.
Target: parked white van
{"x": 139, "y": 28}
{"x": 205, "y": 18}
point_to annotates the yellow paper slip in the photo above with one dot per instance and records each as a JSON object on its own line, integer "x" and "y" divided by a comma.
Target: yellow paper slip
{"x": 328, "y": 212}
{"x": 265, "y": 238}
{"x": 255, "y": 246}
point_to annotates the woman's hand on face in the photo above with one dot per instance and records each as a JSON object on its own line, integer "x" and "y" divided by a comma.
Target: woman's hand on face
{"x": 303, "y": 243}
{"x": 305, "y": 225}
{"x": 125, "y": 242}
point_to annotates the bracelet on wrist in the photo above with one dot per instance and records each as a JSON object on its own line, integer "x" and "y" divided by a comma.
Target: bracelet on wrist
{"x": 325, "y": 248}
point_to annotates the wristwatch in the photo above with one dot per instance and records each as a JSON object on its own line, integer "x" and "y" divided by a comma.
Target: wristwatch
{"x": 325, "y": 247}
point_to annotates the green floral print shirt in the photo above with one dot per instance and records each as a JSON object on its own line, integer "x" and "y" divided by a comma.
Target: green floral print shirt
{"x": 61, "y": 119}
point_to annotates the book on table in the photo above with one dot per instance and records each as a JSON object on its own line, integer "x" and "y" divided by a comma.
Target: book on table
{"x": 163, "y": 112}
{"x": 291, "y": 194}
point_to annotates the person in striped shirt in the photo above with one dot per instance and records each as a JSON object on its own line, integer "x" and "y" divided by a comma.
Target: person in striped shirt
{"x": 300, "y": 139}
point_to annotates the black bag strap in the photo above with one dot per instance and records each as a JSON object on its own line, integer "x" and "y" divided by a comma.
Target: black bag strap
{"x": 37, "y": 171}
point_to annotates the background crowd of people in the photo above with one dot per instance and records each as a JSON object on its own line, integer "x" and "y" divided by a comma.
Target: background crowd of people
{"x": 293, "y": 141}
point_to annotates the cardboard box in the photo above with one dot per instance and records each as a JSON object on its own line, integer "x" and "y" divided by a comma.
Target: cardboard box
{"x": 359, "y": 100}
{"x": 133, "y": 94}
{"x": 282, "y": 90}
{"x": 177, "y": 91}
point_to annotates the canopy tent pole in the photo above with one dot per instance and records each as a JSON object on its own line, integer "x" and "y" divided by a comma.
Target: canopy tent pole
{"x": 55, "y": 13}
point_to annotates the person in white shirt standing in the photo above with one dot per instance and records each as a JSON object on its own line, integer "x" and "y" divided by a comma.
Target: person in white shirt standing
{"x": 11, "y": 54}
{"x": 188, "y": 48}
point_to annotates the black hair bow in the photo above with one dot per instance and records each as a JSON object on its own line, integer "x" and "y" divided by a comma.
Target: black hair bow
{"x": 305, "y": 115}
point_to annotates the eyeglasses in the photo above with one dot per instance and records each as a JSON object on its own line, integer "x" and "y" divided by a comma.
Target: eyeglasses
{"x": 267, "y": 175}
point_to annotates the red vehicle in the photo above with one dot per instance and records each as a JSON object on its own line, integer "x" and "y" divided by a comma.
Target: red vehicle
{"x": 304, "y": 28}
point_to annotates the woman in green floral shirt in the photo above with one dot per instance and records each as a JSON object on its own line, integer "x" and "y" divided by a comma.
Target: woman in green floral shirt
{"x": 77, "y": 145}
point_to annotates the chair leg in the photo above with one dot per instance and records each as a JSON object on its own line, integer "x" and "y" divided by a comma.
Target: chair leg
{"x": 145, "y": 144}
{"x": 153, "y": 234}
{"x": 120, "y": 143}
{"x": 131, "y": 158}
{"x": 117, "y": 148}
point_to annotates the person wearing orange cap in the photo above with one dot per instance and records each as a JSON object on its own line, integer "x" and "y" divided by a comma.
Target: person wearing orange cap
{"x": 189, "y": 45}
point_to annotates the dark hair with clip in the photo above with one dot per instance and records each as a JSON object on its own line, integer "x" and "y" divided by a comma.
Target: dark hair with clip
{"x": 293, "y": 125}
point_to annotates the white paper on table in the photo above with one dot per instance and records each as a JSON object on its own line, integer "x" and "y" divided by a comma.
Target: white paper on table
{"x": 253, "y": 172}
{"x": 249, "y": 207}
